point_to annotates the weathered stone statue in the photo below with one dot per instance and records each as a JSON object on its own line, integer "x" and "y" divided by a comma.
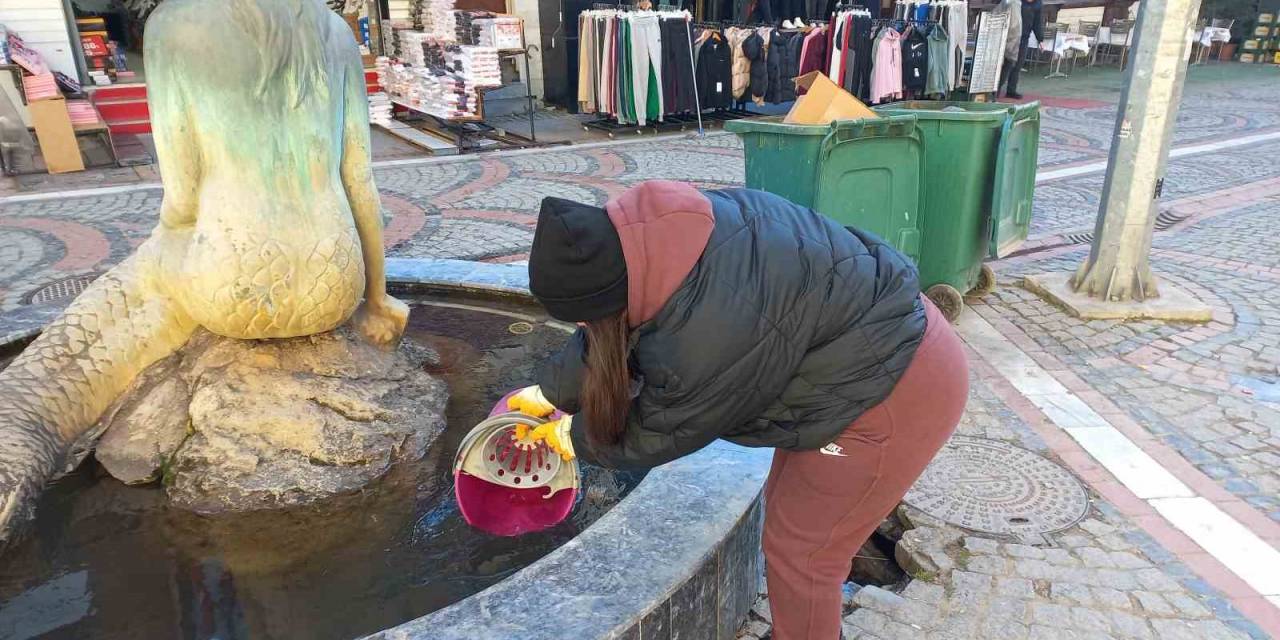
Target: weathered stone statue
{"x": 270, "y": 228}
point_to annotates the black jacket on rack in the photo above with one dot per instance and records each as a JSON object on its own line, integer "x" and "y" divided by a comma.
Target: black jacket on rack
{"x": 915, "y": 60}
{"x": 774, "y": 64}
{"x": 791, "y": 66}
{"x": 677, "y": 66}
{"x": 753, "y": 48}
{"x": 714, "y": 71}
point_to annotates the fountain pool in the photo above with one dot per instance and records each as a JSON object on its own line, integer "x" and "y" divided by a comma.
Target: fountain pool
{"x": 110, "y": 561}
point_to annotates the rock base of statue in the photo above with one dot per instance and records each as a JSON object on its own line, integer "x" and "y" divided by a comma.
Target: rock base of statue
{"x": 240, "y": 425}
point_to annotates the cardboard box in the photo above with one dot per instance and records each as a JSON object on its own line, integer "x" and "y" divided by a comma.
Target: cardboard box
{"x": 57, "y": 138}
{"x": 1247, "y": 57}
{"x": 1250, "y": 45}
{"x": 1266, "y": 18}
{"x": 824, "y": 102}
{"x": 1262, "y": 31}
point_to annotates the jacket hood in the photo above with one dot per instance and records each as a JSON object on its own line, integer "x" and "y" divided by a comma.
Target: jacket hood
{"x": 664, "y": 227}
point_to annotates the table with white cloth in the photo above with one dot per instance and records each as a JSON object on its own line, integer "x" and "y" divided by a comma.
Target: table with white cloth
{"x": 1205, "y": 37}
{"x": 1065, "y": 44}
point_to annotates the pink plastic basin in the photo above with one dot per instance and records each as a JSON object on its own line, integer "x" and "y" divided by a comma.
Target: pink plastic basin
{"x": 507, "y": 511}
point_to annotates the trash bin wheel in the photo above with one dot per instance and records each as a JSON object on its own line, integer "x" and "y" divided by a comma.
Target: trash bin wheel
{"x": 948, "y": 300}
{"x": 986, "y": 282}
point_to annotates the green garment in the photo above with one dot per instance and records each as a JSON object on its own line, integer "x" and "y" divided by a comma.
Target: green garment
{"x": 939, "y": 57}
{"x": 653, "y": 110}
{"x": 628, "y": 93}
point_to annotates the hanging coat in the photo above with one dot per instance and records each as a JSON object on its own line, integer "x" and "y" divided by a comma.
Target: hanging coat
{"x": 915, "y": 61}
{"x": 741, "y": 65}
{"x": 753, "y": 47}
{"x": 774, "y": 64}
{"x": 714, "y": 72}
{"x": 791, "y": 66}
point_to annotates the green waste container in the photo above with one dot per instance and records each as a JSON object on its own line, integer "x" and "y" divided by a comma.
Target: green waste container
{"x": 946, "y": 183}
{"x": 1015, "y": 182}
{"x": 978, "y": 179}
{"x": 862, "y": 173}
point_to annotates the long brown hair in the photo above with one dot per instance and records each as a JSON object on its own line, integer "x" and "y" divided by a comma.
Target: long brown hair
{"x": 606, "y": 387}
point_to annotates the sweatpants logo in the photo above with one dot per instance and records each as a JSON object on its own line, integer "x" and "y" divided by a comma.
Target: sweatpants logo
{"x": 833, "y": 449}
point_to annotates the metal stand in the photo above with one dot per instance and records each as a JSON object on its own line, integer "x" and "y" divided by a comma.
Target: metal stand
{"x": 1055, "y": 67}
{"x": 472, "y": 134}
{"x": 528, "y": 88}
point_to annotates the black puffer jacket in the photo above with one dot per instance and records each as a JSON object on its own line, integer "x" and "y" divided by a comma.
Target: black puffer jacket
{"x": 777, "y": 61}
{"x": 791, "y": 66}
{"x": 785, "y": 329}
{"x": 755, "y": 51}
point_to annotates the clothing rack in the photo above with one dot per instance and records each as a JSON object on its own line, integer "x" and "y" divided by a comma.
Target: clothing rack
{"x": 679, "y": 104}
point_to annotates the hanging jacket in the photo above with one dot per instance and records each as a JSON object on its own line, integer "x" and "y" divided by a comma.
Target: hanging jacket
{"x": 714, "y": 73}
{"x": 939, "y": 62}
{"x": 741, "y": 65}
{"x": 915, "y": 61}
{"x": 754, "y": 48}
{"x": 814, "y": 54}
{"x": 774, "y": 64}
{"x": 754, "y": 319}
{"x": 791, "y": 66}
{"x": 886, "y": 76}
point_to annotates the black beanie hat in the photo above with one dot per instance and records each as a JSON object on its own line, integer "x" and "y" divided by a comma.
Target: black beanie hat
{"x": 576, "y": 266}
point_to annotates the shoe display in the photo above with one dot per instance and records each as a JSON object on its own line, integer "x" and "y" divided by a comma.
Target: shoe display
{"x": 786, "y": 24}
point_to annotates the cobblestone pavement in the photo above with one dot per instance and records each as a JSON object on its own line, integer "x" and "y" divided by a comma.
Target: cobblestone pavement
{"x": 1083, "y": 133}
{"x": 483, "y": 207}
{"x": 1102, "y": 578}
{"x": 1210, "y": 392}
{"x": 1071, "y": 205}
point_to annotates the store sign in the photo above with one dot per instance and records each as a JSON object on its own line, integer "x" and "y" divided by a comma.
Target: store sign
{"x": 94, "y": 46}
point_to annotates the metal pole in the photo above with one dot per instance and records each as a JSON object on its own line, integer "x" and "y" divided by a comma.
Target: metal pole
{"x": 694, "y": 72}
{"x": 528, "y": 94}
{"x": 1118, "y": 266}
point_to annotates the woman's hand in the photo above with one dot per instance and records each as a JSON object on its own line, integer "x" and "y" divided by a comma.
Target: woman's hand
{"x": 554, "y": 433}
{"x": 382, "y": 319}
{"x": 531, "y": 402}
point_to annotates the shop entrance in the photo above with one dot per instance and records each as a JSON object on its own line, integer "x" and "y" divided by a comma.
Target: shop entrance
{"x": 110, "y": 35}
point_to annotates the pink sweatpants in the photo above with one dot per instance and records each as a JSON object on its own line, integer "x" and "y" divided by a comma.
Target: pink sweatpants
{"x": 821, "y": 508}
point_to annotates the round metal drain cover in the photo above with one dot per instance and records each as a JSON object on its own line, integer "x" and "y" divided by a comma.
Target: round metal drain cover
{"x": 992, "y": 487}
{"x": 59, "y": 289}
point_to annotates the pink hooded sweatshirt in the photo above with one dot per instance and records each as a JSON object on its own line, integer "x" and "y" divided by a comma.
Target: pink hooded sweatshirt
{"x": 664, "y": 227}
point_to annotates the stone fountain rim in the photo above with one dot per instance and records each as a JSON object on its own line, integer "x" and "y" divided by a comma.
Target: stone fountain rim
{"x": 680, "y": 554}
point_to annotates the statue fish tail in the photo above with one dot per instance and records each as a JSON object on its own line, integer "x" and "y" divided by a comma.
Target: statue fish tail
{"x": 55, "y": 391}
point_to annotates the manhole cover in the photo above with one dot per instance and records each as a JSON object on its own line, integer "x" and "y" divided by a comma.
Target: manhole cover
{"x": 58, "y": 289}
{"x": 992, "y": 487}
{"x": 520, "y": 328}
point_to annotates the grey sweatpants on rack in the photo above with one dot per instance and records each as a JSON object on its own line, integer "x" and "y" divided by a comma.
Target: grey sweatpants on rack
{"x": 646, "y": 55}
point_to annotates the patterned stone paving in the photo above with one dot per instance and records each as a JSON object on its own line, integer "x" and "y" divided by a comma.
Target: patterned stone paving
{"x": 1102, "y": 578}
{"x": 1072, "y": 204}
{"x": 1081, "y": 134}
{"x": 1210, "y": 392}
{"x": 483, "y": 207}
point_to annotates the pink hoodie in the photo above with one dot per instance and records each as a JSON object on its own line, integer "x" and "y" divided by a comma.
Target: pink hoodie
{"x": 664, "y": 227}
